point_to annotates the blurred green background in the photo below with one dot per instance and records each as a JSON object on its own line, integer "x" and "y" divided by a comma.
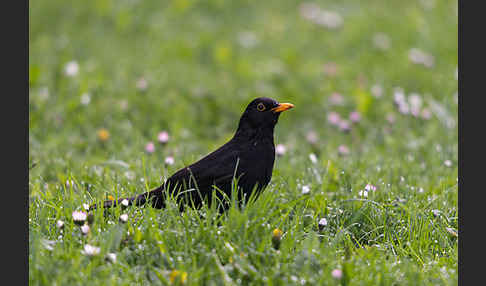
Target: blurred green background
{"x": 134, "y": 68}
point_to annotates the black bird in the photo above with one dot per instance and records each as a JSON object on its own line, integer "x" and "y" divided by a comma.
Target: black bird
{"x": 248, "y": 157}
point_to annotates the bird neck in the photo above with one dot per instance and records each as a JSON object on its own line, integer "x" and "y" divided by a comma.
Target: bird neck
{"x": 246, "y": 132}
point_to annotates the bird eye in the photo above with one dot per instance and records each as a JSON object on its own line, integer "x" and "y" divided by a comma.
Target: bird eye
{"x": 260, "y": 107}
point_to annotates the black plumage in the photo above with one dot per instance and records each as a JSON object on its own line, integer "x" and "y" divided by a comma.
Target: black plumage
{"x": 248, "y": 157}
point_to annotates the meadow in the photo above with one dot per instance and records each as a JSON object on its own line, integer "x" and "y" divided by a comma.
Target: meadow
{"x": 365, "y": 184}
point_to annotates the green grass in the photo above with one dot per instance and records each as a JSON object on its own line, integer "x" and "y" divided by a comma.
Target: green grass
{"x": 203, "y": 62}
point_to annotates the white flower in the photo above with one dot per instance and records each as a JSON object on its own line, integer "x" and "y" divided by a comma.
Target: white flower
{"x": 313, "y": 157}
{"x": 363, "y": 194}
{"x": 322, "y": 222}
{"x": 48, "y": 244}
{"x": 328, "y": 19}
{"x": 436, "y": 213}
{"x": 169, "y": 160}
{"x": 130, "y": 175}
{"x": 90, "y": 250}
{"x": 69, "y": 183}
{"x": 399, "y": 96}
{"x": 280, "y": 149}
{"x": 85, "y": 98}
{"x": 60, "y": 224}
{"x": 418, "y": 56}
{"x": 71, "y": 69}
{"x": 111, "y": 257}
{"x": 124, "y": 218}
{"x": 124, "y": 202}
{"x": 448, "y": 163}
{"x": 305, "y": 190}
{"x": 377, "y": 90}
{"x": 415, "y": 104}
{"x": 86, "y": 206}
{"x": 313, "y": 13}
{"x": 85, "y": 229}
{"x": 451, "y": 231}
{"x": 79, "y": 217}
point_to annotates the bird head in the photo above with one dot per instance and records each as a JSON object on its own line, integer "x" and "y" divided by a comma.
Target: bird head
{"x": 262, "y": 114}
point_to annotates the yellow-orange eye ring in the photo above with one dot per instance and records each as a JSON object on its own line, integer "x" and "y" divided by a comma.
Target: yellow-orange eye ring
{"x": 261, "y": 107}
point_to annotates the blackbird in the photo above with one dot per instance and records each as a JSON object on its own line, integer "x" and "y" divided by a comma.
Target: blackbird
{"x": 247, "y": 158}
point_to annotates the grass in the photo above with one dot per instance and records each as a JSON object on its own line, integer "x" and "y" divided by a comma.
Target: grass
{"x": 203, "y": 61}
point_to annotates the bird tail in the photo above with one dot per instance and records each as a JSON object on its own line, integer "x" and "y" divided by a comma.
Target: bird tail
{"x": 155, "y": 197}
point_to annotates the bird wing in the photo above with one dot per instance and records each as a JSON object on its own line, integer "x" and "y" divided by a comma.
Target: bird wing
{"x": 216, "y": 168}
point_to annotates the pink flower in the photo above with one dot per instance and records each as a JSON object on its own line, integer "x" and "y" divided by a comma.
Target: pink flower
{"x": 336, "y": 99}
{"x": 426, "y": 114}
{"x": 355, "y": 117}
{"x": 344, "y": 126}
{"x": 79, "y": 217}
{"x": 280, "y": 149}
{"x": 343, "y": 150}
{"x": 399, "y": 96}
{"x": 163, "y": 137}
{"x": 169, "y": 160}
{"x": 404, "y": 108}
{"x": 150, "y": 147}
{"x": 311, "y": 137}
{"x": 337, "y": 273}
{"x": 414, "y": 111}
{"x": 370, "y": 187}
{"x": 333, "y": 118}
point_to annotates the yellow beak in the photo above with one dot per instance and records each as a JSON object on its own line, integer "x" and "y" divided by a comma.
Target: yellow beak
{"x": 282, "y": 107}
